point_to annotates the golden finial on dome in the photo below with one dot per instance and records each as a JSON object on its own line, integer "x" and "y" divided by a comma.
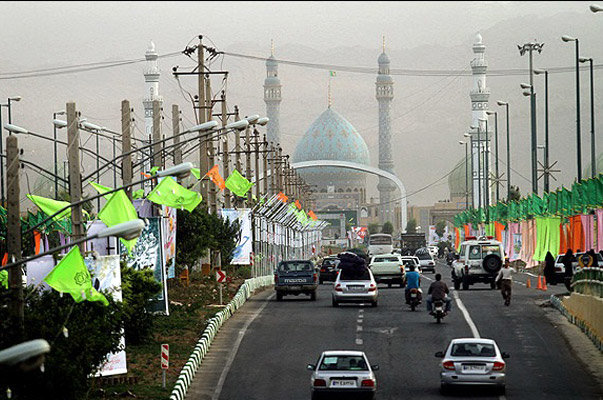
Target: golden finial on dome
{"x": 384, "y": 43}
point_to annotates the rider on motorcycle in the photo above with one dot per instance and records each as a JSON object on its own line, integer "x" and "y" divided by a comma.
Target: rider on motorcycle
{"x": 438, "y": 290}
{"x": 413, "y": 281}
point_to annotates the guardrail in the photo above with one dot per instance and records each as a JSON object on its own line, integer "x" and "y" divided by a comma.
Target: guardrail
{"x": 588, "y": 281}
{"x": 215, "y": 323}
{"x": 580, "y": 323}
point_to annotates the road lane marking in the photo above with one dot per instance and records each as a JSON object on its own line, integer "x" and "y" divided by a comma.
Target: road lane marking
{"x": 461, "y": 307}
{"x": 359, "y": 328}
{"x": 359, "y": 342}
{"x": 359, "y": 321}
{"x": 521, "y": 283}
{"x": 235, "y": 349}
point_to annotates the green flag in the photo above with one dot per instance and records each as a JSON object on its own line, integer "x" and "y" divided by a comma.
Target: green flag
{"x": 71, "y": 276}
{"x": 138, "y": 194}
{"x": 196, "y": 172}
{"x": 237, "y": 184}
{"x": 50, "y": 206}
{"x": 169, "y": 193}
{"x": 101, "y": 189}
{"x": 332, "y": 73}
{"x": 4, "y": 278}
{"x": 119, "y": 209}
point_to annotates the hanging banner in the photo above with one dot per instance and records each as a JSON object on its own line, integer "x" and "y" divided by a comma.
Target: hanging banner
{"x": 433, "y": 236}
{"x": 36, "y": 270}
{"x": 148, "y": 254}
{"x": 168, "y": 239}
{"x": 244, "y": 246}
{"x": 103, "y": 246}
{"x": 106, "y": 275}
{"x": 516, "y": 247}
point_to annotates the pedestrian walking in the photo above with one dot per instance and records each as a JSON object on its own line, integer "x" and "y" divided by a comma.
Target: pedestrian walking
{"x": 549, "y": 268}
{"x": 568, "y": 261}
{"x": 506, "y": 281}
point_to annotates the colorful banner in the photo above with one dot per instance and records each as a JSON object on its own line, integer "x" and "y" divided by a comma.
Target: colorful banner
{"x": 244, "y": 246}
{"x": 168, "y": 239}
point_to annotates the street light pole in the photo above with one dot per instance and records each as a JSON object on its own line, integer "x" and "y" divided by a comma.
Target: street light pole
{"x": 578, "y": 139}
{"x": 496, "y": 152}
{"x": 546, "y": 127}
{"x": 56, "y": 167}
{"x": 504, "y": 103}
{"x": 593, "y": 155}
{"x": 466, "y": 177}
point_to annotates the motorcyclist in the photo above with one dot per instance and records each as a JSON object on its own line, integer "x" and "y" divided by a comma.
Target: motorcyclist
{"x": 413, "y": 281}
{"x": 438, "y": 290}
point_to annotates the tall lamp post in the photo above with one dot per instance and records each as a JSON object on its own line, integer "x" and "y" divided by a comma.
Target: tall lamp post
{"x": 529, "y": 92}
{"x": 504, "y": 103}
{"x": 479, "y": 164}
{"x": 496, "y": 152}
{"x": 595, "y": 8}
{"x": 566, "y": 38}
{"x": 56, "y": 172}
{"x": 466, "y": 177}
{"x": 546, "y": 126}
{"x": 486, "y": 169}
{"x": 8, "y": 106}
{"x": 593, "y": 155}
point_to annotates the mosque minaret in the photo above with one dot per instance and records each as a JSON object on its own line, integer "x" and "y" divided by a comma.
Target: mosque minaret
{"x": 272, "y": 98}
{"x": 151, "y": 81}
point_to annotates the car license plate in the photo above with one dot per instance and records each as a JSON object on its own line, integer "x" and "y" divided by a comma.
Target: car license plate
{"x": 356, "y": 288}
{"x": 294, "y": 287}
{"x": 474, "y": 368}
{"x": 343, "y": 383}
{"x": 413, "y": 295}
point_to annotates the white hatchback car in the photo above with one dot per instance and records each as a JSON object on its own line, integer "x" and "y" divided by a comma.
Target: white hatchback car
{"x": 471, "y": 361}
{"x": 343, "y": 372}
{"x": 352, "y": 286}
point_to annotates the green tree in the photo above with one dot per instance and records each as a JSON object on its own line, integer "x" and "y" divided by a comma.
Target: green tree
{"x": 411, "y": 226}
{"x": 373, "y": 228}
{"x": 440, "y": 228}
{"x": 387, "y": 228}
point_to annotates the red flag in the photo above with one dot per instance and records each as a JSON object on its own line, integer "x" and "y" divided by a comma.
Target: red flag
{"x": 312, "y": 215}
{"x": 281, "y": 196}
{"x": 214, "y": 175}
{"x": 298, "y": 204}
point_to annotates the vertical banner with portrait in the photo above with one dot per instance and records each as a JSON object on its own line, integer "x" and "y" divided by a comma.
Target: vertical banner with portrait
{"x": 148, "y": 254}
{"x": 241, "y": 253}
{"x": 168, "y": 239}
{"x": 516, "y": 248}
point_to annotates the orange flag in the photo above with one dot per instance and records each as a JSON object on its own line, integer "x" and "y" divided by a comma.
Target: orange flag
{"x": 312, "y": 215}
{"x": 298, "y": 204}
{"x": 281, "y": 196}
{"x": 37, "y": 237}
{"x": 216, "y": 178}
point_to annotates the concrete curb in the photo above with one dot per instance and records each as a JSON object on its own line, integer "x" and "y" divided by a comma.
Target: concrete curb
{"x": 558, "y": 304}
{"x": 215, "y": 323}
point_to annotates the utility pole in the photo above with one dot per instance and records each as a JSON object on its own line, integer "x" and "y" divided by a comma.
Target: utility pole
{"x": 157, "y": 154}
{"x": 265, "y": 167}
{"x": 256, "y": 172}
{"x": 203, "y": 160}
{"x": 248, "y": 160}
{"x": 75, "y": 177}
{"x": 279, "y": 169}
{"x": 213, "y": 206}
{"x": 226, "y": 159}
{"x": 15, "y": 274}
{"x": 126, "y": 146}
{"x": 175, "y": 133}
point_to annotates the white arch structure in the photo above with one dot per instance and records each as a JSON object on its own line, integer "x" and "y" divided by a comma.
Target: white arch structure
{"x": 363, "y": 168}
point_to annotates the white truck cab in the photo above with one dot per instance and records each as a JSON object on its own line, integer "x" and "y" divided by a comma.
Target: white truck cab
{"x": 480, "y": 259}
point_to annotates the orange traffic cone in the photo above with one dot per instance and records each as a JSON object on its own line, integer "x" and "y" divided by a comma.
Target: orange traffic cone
{"x": 544, "y": 283}
{"x": 539, "y": 285}
{"x": 528, "y": 284}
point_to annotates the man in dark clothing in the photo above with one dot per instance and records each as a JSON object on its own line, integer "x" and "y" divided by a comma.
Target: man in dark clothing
{"x": 549, "y": 268}
{"x": 438, "y": 291}
{"x": 568, "y": 260}
{"x": 592, "y": 253}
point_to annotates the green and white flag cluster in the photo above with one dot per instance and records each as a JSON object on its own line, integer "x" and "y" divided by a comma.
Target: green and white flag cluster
{"x": 71, "y": 276}
{"x": 238, "y": 184}
{"x": 169, "y": 193}
{"x": 119, "y": 209}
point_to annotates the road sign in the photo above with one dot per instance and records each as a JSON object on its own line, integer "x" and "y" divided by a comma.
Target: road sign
{"x": 165, "y": 356}
{"x": 220, "y": 276}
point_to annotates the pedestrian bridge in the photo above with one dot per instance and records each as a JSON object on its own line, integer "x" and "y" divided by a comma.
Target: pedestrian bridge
{"x": 364, "y": 168}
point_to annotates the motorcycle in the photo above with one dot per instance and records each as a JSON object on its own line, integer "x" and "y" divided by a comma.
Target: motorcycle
{"x": 438, "y": 310}
{"x": 414, "y": 298}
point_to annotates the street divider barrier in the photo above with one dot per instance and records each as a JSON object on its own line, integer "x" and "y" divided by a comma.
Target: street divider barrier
{"x": 583, "y": 311}
{"x": 213, "y": 326}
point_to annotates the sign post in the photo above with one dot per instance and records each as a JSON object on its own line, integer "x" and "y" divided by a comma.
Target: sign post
{"x": 220, "y": 277}
{"x": 165, "y": 362}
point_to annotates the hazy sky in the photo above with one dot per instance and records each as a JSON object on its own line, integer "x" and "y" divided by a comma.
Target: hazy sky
{"x": 48, "y": 34}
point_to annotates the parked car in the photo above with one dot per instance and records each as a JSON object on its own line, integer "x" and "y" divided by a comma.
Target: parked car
{"x": 295, "y": 277}
{"x": 411, "y": 260}
{"x": 560, "y": 268}
{"x": 355, "y": 286}
{"x": 344, "y": 373}
{"x": 471, "y": 361}
{"x": 425, "y": 259}
{"x": 388, "y": 268}
{"x": 328, "y": 269}
{"x": 479, "y": 260}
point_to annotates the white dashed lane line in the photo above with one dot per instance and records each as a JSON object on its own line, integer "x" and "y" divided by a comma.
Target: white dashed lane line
{"x": 359, "y": 320}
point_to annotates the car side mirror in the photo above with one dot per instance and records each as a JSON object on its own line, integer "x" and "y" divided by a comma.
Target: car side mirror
{"x": 505, "y": 355}
{"x": 439, "y": 354}
{"x": 375, "y": 367}
{"x": 311, "y": 367}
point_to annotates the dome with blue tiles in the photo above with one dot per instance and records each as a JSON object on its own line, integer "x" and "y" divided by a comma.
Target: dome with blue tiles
{"x": 332, "y": 137}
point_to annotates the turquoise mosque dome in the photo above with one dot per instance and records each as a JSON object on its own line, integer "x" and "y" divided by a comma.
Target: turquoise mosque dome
{"x": 332, "y": 137}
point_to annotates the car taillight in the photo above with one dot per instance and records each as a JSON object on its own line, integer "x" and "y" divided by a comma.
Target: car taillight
{"x": 448, "y": 365}
{"x": 275, "y": 278}
{"x": 338, "y": 288}
{"x": 372, "y": 288}
{"x": 367, "y": 383}
{"x": 315, "y": 277}
{"x": 467, "y": 269}
{"x": 320, "y": 382}
{"x": 498, "y": 366}
{"x": 323, "y": 270}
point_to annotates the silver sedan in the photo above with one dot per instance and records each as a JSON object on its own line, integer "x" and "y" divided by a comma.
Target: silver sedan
{"x": 352, "y": 286}
{"x": 343, "y": 372}
{"x": 470, "y": 361}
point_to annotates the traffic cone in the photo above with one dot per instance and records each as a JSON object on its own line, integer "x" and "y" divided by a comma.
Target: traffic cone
{"x": 528, "y": 283}
{"x": 539, "y": 285}
{"x": 544, "y": 284}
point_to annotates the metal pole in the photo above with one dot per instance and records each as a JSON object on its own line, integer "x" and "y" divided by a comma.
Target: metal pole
{"x": 256, "y": 172}
{"x": 15, "y": 274}
{"x": 203, "y": 161}
{"x": 98, "y": 169}
{"x": 593, "y": 155}
{"x": 546, "y": 131}
{"x": 248, "y": 161}
{"x": 472, "y": 177}
{"x": 56, "y": 167}
{"x": 479, "y": 166}
{"x": 466, "y": 177}
{"x": 578, "y": 139}
{"x": 114, "y": 166}
{"x": 487, "y": 172}
{"x": 508, "y": 156}
{"x": 75, "y": 178}
{"x": 1, "y": 163}
{"x": 157, "y": 159}
{"x": 126, "y": 146}
{"x": 534, "y": 137}
{"x": 211, "y": 188}
{"x": 496, "y": 156}
{"x": 225, "y": 155}
{"x": 176, "y": 132}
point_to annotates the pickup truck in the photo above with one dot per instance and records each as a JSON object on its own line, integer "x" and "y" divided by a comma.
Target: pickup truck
{"x": 295, "y": 277}
{"x": 388, "y": 268}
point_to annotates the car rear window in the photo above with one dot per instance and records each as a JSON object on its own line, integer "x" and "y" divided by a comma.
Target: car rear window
{"x": 386, "y": 259}
{"x": 423, "y": 256}
{"x": 409, "y": 261}
{"x": 330, "y": 262}
{"x": 343, "y": 363}
{"x": 353, "y": 274}
{"x": 295, "y": 266}
{"x": 491, "y": 249}
{"x": 473, "y": 350}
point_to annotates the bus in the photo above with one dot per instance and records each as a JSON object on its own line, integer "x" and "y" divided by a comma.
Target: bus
{"x": 380, "y": 243}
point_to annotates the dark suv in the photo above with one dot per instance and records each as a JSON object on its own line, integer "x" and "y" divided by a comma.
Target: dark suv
{"x": 295, "y": 277}
{"x": 328, "y": 269}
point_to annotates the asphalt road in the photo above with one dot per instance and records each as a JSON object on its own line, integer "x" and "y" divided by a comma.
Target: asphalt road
{"x": 270, "y": 362}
